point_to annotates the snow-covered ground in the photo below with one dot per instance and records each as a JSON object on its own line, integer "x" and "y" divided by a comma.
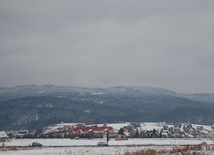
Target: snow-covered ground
{"x": 75, "y": 151}
{"x": 93, "y": 142}
{"x": 88, "y": 147}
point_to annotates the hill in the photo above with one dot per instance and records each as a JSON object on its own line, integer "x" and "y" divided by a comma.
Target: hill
{"x": 33, "y": 106}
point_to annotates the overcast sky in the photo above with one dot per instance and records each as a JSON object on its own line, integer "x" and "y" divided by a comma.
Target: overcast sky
{"x": 104, "y": 43}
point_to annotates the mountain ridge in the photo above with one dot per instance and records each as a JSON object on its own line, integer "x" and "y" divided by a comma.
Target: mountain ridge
{"x": 35, "y": 106}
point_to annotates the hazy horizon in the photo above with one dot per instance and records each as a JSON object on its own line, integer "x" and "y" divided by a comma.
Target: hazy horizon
{"x": 98, "y": 43}
{"x": 91, "y": 87}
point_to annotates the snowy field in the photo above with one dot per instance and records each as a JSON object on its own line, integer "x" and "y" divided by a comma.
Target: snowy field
{"x": 75, "y": 151}
{"x": 93, "y": 142}
{"x": 88, "y": 147}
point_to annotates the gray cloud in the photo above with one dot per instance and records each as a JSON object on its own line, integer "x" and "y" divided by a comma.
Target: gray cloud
{"x": 101, "y": 43}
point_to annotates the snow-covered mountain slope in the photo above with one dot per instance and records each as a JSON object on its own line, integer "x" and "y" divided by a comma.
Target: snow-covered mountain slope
{"x": 202, "y": 97}
{"x": 34, "y": 106}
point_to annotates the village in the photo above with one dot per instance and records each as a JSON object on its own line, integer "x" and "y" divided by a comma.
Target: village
{"x": 118, "y": 131}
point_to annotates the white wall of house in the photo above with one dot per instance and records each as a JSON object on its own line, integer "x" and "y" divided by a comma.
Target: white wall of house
{"x": 3, "y": 136}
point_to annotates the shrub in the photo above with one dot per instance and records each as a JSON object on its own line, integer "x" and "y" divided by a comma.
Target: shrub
{"x": 13, "y": 148}
{"x": 186, "y": 150}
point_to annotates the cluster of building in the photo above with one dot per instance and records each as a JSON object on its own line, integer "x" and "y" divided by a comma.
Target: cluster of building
{"x": 130, "y": 130}
{"x": 163, "y": 130}
{"x": 119, "y": 130}
{"x": 186, "y": 130}
{"x": 23, "y": 134}
{"x": 78, "y": 131}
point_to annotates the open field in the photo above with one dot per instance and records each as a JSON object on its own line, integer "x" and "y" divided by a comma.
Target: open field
{"x": 111, "y": 150}
{"x": 93, "y": 142}
{"x": 88, "y": 147}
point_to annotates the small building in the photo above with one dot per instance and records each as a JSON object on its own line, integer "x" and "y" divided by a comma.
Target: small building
{"x": 199, "y": 128}
{"x": 3, "y": 136}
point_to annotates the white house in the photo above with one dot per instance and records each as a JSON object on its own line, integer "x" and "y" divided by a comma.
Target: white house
{"x": 3, "y": 136}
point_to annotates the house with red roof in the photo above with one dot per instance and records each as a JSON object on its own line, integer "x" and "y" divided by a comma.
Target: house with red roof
{"x": 82, "y": 131}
